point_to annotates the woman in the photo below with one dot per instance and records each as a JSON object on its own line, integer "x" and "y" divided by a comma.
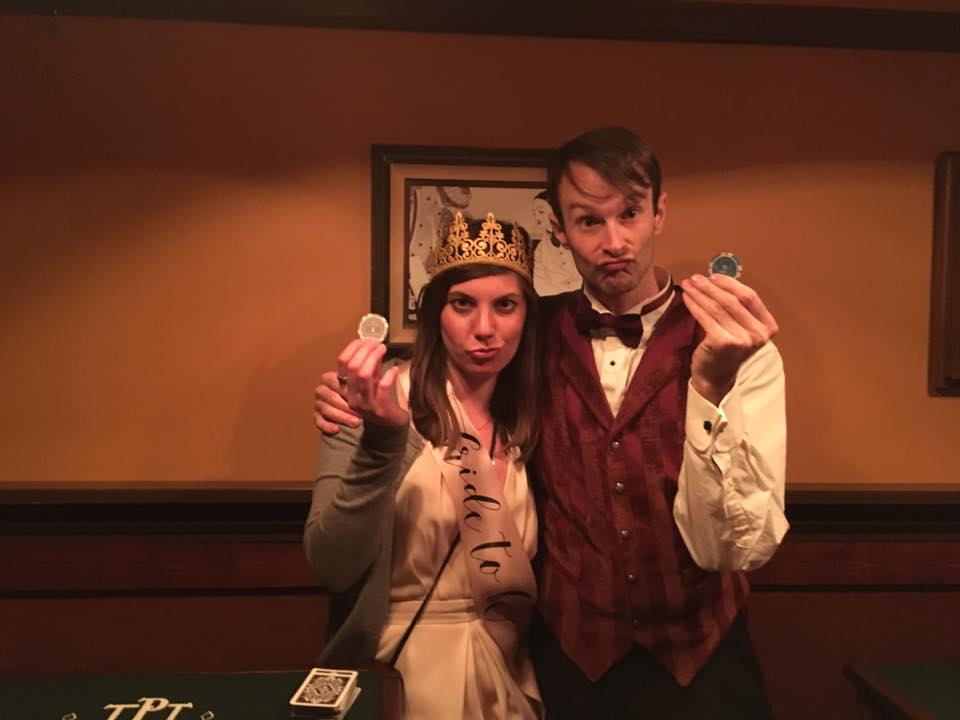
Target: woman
{"x": 432, "y": 489}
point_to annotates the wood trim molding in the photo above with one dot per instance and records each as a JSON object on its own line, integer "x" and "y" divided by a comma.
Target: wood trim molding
{"x": 264, "y": 510}
{"x": 173, "y": 542}
{"x": 135, "y": 566}
{"x": 865, "y": 563}
{"x": 700, "y": 22}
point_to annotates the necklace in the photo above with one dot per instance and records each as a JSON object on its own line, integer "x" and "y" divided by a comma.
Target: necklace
{"x": 485, "y": 425}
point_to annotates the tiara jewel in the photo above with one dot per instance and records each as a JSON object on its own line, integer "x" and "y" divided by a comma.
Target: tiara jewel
{"x": 490, "y": 247}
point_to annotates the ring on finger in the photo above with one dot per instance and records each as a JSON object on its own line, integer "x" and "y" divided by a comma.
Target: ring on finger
{"x": 342, "y": 379}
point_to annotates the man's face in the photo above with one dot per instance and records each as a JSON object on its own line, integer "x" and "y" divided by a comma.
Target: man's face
{"x": 611, "y": 235}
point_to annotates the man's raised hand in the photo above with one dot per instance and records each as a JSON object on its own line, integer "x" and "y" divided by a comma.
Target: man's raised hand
{"x": 736, "y": 323}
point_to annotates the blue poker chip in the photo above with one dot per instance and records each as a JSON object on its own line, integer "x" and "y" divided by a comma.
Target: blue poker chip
{"x": 725, "y": 264}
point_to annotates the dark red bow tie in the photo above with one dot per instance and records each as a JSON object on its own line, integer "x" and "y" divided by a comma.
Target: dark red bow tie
{"x": 628, "y": 327}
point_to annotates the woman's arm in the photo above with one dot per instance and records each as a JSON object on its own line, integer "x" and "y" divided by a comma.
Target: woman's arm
{"x": 352, "y": 501}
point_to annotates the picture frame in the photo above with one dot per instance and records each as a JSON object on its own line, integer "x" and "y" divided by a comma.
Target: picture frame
{"x": 944, "y": 357}
{"x": 416, "y": 191}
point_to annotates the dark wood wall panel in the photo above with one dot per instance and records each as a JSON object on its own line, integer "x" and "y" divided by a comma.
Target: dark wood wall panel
{"x": 803, "y": 639}
{"x": 212, "y": 581}
{"x": 156, "y": 633}
{"x": 894, "y": 561}
{"x": 98, "y": 563}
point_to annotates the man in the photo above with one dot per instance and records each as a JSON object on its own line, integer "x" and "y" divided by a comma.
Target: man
{"x": 661, "y": 462}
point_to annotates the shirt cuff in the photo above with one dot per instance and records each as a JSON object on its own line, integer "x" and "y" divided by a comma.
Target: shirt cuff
{"x": 384, "y": 438}
{"x": 710, "y": 428}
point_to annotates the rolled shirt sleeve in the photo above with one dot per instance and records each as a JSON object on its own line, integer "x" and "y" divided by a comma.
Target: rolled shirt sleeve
{"x": 729, "y": 506}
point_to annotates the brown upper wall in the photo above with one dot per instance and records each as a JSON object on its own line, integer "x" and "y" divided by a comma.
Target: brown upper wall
{"x": 185, "y": 224}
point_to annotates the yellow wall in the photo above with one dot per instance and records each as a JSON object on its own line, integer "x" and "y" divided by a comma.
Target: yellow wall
{"x": 185, "y": 224}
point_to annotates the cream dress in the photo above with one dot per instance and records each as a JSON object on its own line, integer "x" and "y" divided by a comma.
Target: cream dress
{"x": 451, "y": 666}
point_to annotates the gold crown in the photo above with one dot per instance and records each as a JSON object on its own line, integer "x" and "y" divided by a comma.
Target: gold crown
{"x": 490, "y": 247}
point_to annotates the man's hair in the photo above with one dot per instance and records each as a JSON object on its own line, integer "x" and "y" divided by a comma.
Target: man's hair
{"x": 619, "y": 155}
{"x": 514, "y": 405}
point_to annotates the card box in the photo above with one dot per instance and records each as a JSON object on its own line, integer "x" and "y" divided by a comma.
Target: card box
{"x": 325, "y": 693}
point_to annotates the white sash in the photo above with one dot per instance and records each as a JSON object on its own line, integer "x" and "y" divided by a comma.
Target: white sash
{"x": 501, "y": 578}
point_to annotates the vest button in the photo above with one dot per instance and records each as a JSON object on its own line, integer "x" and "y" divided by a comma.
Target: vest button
{"x": 625, "y": 534}
{"x": 619, "y": 488}
{"x": 615, "y": 445}
{"x": 631, "y": 578}
{"x": 636, "y": 623}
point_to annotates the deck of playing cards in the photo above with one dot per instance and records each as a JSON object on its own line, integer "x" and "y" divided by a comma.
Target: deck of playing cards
{"x": 325, "y": 693}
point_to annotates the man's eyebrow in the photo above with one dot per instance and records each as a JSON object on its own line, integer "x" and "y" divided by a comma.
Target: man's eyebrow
{"x": 635, "y": 197}
{"x": 580, "y": 206}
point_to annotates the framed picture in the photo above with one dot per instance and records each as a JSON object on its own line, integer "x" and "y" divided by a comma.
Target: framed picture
{"x": 417, "y": 192}
{"x": 944, "y": 365}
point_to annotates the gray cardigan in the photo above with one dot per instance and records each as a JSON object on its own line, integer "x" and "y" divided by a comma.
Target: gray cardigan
{"x": 349, "y": 532}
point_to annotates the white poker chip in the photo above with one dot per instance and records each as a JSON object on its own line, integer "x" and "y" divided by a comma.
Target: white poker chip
{"x": 373, "y": 327}
{"x": 726, "y": 263}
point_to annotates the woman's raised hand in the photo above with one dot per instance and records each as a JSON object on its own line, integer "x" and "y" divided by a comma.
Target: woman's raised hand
{"x": 367, "y": 389}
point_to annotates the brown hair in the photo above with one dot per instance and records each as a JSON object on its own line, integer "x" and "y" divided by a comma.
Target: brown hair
{"x": 619, "y": 155}
{"x": 514, "y": 405}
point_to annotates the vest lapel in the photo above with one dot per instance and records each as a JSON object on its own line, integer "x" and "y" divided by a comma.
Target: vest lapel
{"x": 667, "y": 354}
{"x": 576, "y": 362}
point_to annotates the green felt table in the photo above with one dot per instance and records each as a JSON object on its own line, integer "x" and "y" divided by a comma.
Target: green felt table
{"x": 918, "y": 691}
{"x": 233, "y": 696}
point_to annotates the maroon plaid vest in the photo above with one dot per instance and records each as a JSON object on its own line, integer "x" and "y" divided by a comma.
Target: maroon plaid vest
{"x": 614, "y": 570}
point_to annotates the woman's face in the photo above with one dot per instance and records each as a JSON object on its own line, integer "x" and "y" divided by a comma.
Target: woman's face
{"x": 481, "y": 324}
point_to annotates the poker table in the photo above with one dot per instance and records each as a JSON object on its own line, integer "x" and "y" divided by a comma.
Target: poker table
{"x": 907, "y": 691}
{"x": 207, "y": 696}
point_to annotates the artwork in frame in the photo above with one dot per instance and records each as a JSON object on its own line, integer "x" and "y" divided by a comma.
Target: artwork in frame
{"x": 417, "y": 191}
{"x": 944, "y": 358}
